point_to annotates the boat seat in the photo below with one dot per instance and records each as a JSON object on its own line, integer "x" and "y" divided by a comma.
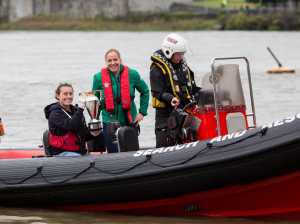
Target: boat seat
{"x": 46, "y": 142}
{"x": 228, "y": 85}
{"x": 127, "y": 138}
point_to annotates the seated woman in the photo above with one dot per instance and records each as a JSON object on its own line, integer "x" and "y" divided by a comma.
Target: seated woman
{"x": 117, "y": 84}
{"x": 68, "y": 132}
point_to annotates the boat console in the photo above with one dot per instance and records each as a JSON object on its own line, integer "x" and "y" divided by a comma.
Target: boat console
{"x": 220, "y": 104}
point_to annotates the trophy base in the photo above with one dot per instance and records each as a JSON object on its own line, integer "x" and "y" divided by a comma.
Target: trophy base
{"x": 95, "y": 127}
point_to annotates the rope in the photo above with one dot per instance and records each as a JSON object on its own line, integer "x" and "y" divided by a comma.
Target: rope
{"x": 209, "y": 145}
{"x": 148, "y": 158}
{"x": 123, "y": 171}
{"x": 92, "y": 164}
{"x": 38, "y": 170}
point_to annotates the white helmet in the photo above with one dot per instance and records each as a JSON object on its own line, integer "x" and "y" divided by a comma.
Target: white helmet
{"x": 173, "y": 43}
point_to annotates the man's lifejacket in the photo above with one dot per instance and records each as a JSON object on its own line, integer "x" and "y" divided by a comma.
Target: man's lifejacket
{"x": 125, "y": 91}
{"x": 68, "y": 142}
{"x": 167, "y": 69}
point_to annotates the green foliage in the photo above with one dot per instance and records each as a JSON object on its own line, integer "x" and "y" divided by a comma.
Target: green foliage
{"x": 242, "y": 21}
{"x": 164, "y": 21}
{"x": 233, "y": 4}
{"x": 253, "y": 1}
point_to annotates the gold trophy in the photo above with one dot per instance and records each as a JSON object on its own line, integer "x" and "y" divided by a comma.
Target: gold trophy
{"x": 92, "y": 104}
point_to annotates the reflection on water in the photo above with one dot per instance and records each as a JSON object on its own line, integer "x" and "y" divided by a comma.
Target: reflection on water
{"x": 53, "y": 217}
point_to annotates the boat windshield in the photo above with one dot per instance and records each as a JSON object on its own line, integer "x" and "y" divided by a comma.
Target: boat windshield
{"x": 229, "y": 91}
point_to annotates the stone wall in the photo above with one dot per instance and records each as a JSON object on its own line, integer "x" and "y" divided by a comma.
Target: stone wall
{"x": 83, "y": 8}
{"x": 41, "y": 7}
{"x": 20, "y": 9}
{"x": 3, "y": 10}
{"x": 17, "y": 9}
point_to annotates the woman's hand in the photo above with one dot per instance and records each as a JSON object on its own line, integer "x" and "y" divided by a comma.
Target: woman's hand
{"x": 139, "y": 118}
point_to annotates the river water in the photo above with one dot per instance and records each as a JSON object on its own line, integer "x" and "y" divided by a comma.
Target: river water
{"x": 33, "y": 63}
{"x": 21, "y": 216}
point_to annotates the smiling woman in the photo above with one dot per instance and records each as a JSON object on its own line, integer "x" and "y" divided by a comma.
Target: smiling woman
{"x": 68, "y": 132}
{"x": 116, "y": 84}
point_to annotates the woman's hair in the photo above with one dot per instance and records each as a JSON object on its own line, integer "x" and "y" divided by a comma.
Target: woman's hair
{"x": 112, "y": 50}
{"x": 57, "y": 91}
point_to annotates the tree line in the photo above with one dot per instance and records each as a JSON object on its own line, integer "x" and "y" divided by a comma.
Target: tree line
{"x": 273, "y": 2}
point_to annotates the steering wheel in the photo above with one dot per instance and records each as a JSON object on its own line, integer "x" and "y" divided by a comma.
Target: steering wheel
{"x": 189, "y": 106}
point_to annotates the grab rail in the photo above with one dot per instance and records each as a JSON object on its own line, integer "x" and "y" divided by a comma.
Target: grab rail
{"x": 215, "y": 91}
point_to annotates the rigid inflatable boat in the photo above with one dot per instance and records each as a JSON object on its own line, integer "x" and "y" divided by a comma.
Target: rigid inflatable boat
{"x": 233, "y": 169}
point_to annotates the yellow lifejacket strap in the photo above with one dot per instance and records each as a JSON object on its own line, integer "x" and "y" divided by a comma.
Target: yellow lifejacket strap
{"x": 190, "y": 81}
{"x": 158, "y": 65}
{"x": 156, "y": 103}
{"x": 157, "y": 60}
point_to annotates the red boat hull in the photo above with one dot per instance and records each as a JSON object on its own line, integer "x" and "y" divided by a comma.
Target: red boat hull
{"x": 21, "y": 153}
{"x": 273, "y": 198}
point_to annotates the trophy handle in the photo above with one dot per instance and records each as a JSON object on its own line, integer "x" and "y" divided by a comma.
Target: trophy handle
{"x": 94, "y": 92}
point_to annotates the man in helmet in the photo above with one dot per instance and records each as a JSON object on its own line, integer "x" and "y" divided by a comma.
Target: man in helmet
{"x": 172, "y": 84}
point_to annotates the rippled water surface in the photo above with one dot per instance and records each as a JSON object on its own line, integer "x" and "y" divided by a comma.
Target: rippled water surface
{"x": 33, "y": 63}
{"x": 21, "y": 216}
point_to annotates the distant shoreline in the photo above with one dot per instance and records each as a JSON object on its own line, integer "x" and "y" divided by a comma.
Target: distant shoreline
{"x": 176, "y": 22}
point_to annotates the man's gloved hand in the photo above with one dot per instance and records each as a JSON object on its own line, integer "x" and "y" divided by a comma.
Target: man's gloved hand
{"x": 175, "y": 102}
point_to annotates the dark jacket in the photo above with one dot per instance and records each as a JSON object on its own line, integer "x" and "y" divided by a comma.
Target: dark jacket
{"x": 60, "y": 123}
{"x": 162, "y": 90}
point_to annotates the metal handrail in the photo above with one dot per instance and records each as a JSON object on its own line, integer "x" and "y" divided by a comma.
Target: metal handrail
{"x": 215, "y": 91}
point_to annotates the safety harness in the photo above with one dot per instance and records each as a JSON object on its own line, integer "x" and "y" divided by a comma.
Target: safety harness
{"x": 68, "y": 142}
{"x": 125, "y": 91}
{"x": 178, "y": 90}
